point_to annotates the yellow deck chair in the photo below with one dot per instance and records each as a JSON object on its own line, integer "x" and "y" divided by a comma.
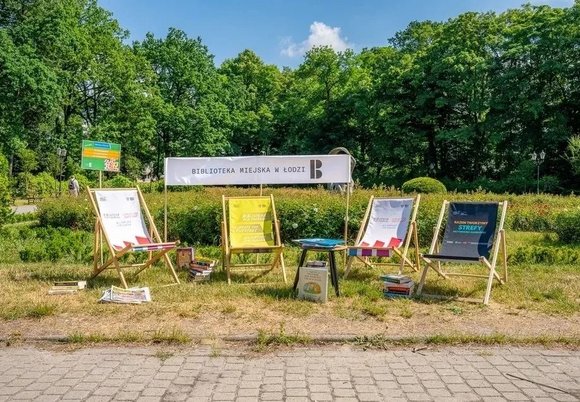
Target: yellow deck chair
{"x": 472, "y": 234}
{"x": 387, "y": 228}
{"x": 119, "y": 222}
{"x": 250, "y": 226}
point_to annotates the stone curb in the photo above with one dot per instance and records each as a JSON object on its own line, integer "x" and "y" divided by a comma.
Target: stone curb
{"x": 229, "y": 338}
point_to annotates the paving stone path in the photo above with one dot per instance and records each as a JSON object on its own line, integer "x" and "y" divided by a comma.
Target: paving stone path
{"x": 338, "y": 373}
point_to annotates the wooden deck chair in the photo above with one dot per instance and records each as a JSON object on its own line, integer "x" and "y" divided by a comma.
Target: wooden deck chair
{"x": 119, "y": 221}
{"x": 250, "y": 226}
{"x": 471, "y": 235}
{"x": 387, "y": 228}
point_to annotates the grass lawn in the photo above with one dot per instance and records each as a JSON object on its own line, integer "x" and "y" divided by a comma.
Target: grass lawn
{"x": 539, "y": 302}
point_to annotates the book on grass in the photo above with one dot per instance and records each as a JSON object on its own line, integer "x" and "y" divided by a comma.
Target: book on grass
{"x": 205, "y": 261}
{"x": 198, "y": 278}
{"x": 126, "y": 296}
{"x": 397, "y": 295}
{"x": 404, "y": 286}
{"x": 67, "y": 287}
{"x": 395, "y": 278}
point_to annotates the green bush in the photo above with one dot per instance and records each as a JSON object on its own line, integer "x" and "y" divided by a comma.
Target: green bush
{"x": 567, "y": 226}
{"x": 4, "y": 166}
{"x": 545, "y": 255}
{"x": 194, "y": 216}
{"x": 424, "y": 185}
{"x": 66, "y": 212}
{"x": 5, "y": 200}
{"x": 119, "y": 181}
{"x": 58, "y": 245}
{"x": 26, "y": 217}
{"x": 40, "y": 186}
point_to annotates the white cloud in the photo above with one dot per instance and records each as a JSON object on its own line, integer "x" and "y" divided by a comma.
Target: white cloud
{"x": 320, "y": 35}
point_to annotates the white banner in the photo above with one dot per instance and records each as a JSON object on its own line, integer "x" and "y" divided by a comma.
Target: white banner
{"x": 121, "y": 217}
{"x": 298, "y": 169}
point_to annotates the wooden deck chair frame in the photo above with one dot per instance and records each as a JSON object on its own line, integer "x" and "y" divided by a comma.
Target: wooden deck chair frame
{"x": 228, "y": 251}
{"x": 499, "y": 244}
{"x": 157, "y": 250}
{"x": 403, "y": 254}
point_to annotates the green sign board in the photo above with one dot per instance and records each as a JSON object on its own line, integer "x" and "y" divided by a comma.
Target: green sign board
{"x": 104, "y": 156}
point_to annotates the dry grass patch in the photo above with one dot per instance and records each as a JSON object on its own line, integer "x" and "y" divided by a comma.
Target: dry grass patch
{"x": 536, "y": 299}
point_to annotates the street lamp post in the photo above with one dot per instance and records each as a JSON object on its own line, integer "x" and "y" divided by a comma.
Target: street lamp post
{"x": 538, "y": 159}
{"x": 61, "y": 153}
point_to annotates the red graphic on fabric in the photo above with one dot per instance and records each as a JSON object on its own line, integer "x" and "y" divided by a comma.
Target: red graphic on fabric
{"x": 127, "y": 243}
{"x": 394, "y": 242}
{"x": 142, "y": 240}
{"x": 378, "y": 244}
{"x": 364, "y": 244}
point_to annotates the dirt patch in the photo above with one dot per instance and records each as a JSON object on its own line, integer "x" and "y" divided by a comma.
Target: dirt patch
{"x": 426, "y": 320}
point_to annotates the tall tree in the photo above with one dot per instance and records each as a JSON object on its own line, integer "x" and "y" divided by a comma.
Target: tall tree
{"x": 191, "y": 118}
{"x": 254, "y": 88}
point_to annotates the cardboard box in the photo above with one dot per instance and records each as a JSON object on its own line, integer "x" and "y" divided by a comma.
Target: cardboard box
{"x": 185, "y": 256}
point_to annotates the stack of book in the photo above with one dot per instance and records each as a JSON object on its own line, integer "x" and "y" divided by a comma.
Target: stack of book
{"x": 201, "y": 268}
{"x": 395, "y": 285}
{"x": 67, "y": 287}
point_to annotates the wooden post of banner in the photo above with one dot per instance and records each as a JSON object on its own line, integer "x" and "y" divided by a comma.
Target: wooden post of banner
{"x": 346, "y": 222}
{"x": 165, "y": 211}
{"x": 258, "y": 255}
{"x": 100, "y": 231}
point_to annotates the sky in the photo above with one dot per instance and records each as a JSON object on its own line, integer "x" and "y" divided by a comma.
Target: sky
{"x": 281, "y": 31}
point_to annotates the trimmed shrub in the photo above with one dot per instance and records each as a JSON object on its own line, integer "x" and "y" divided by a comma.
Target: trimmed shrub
{"x": 567, "y": 226}
{"x": 425, "y": 185}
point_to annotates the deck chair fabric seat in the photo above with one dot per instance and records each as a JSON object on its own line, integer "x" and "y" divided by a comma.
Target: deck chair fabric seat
{"x": 120, "y": 221}
{"x": 451, "y": 258}
{"x": 388, "y": 225}
{"x": 250, "y": 226}
{"x": 471, "y": 235}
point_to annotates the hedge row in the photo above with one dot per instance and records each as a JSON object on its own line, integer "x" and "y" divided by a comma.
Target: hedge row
{"x": 35, "y": 244}
{"x": 194, "y": 216}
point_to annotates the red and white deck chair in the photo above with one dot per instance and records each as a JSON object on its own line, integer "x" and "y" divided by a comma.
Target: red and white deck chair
{"x": 387, "y": 228}
{"x": 120, "y": 223}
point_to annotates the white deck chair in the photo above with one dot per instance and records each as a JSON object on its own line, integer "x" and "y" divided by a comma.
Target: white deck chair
{"x": 120, "y": 223}
{"x": 388, "y": 226}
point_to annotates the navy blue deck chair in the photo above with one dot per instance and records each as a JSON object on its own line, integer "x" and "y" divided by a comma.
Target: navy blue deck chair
{"x": 472, "y": 235}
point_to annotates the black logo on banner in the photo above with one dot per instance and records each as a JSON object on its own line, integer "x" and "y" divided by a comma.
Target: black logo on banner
{"x": 315, "y": 172}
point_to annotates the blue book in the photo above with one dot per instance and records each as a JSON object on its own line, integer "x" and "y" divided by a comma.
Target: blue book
{"x": 319, "y": 242}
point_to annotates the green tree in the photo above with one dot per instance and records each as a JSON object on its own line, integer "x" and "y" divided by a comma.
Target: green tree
{"x": 253, "y": 88}
{"x": 190, "y": 118}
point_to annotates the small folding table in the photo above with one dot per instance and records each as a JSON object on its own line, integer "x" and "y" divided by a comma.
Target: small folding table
{"x": 329, "y": 246}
